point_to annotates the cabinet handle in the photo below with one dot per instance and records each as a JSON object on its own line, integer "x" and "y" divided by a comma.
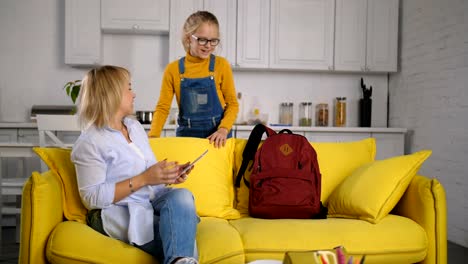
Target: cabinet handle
{"x": 136, "y": 27}
{"x": 331, "y": 68}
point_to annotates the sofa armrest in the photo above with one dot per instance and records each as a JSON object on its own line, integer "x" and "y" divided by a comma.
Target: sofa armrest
{"x": 424, "y": 202}
{"x": 41, "y": 211}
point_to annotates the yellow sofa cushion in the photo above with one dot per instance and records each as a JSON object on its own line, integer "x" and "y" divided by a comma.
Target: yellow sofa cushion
{"x": 382, "y": 242}
{"x": 372, "y": 191}
{"x": 73, "y": 242}
{"x": 58, "y": 160}
{"x": 218, "y": 241}
{"x": 210, "y": 181}
{"x": 336, "y": 160}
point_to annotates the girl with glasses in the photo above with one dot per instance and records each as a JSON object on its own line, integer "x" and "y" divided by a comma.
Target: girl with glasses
{"x": 202, "y": 83}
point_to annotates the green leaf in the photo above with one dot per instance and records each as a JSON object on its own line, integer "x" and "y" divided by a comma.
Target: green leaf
{"x": 72, "y": 89}
{"x": 74, "y": 92}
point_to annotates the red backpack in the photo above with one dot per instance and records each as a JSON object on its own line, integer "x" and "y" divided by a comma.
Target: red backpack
{"x": 285, "y": 180}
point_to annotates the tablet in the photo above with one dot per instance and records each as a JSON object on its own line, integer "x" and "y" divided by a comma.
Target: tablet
{"x": 193, "y": 163}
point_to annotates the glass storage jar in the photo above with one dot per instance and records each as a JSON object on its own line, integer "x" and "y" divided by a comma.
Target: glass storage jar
{"x": 340, "y": 111}
{"x": 305, "y": 114}
{"x": 321, "y": 115}
{"x": 286, "y": 113}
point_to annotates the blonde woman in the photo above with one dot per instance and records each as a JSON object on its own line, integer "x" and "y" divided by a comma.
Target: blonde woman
{"x": 202, "y": 83}
{"x": 119, "y": 179}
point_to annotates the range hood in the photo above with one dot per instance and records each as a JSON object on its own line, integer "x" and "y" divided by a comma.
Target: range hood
{"x": 52, "y": 110}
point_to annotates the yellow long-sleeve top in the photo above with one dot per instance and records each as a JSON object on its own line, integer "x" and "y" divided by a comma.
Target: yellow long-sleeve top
{"x": 196, "y": 68}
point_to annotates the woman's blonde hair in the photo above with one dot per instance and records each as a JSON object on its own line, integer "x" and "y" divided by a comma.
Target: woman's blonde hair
{"x": 101, "y": 95}
{"x": 193, "y": 22}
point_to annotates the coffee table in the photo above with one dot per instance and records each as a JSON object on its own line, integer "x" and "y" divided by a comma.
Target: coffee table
{"x": 266, "y": 261}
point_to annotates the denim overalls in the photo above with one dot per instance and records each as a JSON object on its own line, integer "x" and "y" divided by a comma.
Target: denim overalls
{"x": 200, "y": 111}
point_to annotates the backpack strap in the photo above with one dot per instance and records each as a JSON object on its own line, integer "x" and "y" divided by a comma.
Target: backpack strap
{"x": 285, "y": 131}
{"x": 251, "y": 148}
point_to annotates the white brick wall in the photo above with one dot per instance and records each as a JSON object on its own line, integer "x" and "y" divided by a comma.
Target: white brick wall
{"x": 429, "y": 95}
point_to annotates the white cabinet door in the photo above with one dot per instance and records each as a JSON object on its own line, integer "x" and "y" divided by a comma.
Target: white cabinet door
{"x": 350, "y": 36}
{"x": 137, "y": 16}
{"x": 8, "y": 135}
{"x": 226, "y": 13}
{"x": 335, "y": 137}
{"x": 366, "y": 35}
{"x": 169, "y": 132}
{"x": 82, "y": 32}
{"x": 389, "y": 145}
{"x": 30, "y": 164}
{"x": 253, "y": 32}
{"x": 382, "y": 35}
{"x": 28, "y": 135}
{"x": 180, "y": 10}
{"x": 302, "y": 33}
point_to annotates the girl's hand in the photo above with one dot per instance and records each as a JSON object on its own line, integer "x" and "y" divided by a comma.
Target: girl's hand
{"x": 219, "y": 137}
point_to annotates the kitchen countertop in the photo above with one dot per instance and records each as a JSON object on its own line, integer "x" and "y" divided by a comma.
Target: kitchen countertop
{"x": 18, "y": 125}
{"x": 249, "y": 128}
{"x": 317, "y": 129}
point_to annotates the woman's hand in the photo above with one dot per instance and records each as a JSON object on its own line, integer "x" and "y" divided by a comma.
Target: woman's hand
{"x": 183, "y": 175}
{"x": 218, "y": 138}
{"x": 163, "y": 172}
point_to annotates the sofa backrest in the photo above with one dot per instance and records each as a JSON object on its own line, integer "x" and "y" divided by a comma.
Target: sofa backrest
{"x": 336, "y": 160}
{"x": 211, "y": 180}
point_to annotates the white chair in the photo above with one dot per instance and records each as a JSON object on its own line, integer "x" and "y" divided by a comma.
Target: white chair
{"x": 49, "y": 125}
{"x": 13, "y": 186}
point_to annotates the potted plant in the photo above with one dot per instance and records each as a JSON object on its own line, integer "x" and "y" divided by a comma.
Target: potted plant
{"x": 72, "y": 89}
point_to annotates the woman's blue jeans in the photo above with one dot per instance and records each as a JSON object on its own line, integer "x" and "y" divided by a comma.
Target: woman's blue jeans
{"x": 175, "y": 226}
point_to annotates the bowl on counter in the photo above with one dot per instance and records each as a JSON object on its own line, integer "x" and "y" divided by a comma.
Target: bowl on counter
{"x": 144, "y": 117}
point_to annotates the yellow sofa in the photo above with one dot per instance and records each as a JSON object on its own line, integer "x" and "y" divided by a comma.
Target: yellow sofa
{"x": 391, "y": 219}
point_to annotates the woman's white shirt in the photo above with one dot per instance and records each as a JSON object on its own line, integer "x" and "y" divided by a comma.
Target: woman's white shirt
{"x": 102, "y": 158}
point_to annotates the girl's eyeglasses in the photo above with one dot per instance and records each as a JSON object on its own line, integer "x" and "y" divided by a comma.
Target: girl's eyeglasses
{"x": 204, "y": 41}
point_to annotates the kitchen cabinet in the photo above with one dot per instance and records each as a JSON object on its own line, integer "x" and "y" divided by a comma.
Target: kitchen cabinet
{"x": 179, "y": 11}
{"x": 295, "y": 34}
{"x": 137, "y": 16}
{"x": 12, "y": 163}
{"x": 82, "y": 33}
{"x": 28, "y": 135}
{"x": 8, "y": 135}
{"x": 225, "y": 12}
{"x": 317, "y": 136}
{"x": 253, "y": 33}
{"x": 301, "y": 34}
{"x": 366, "y": 37}
{"x": 390, "y": 142}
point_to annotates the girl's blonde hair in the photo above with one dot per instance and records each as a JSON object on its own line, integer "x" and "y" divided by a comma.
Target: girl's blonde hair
{"x": 101, "y": 95}
{"x": 193, "y": 22}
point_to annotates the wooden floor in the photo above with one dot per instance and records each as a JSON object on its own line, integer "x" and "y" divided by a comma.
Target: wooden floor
{"x": 10, "y": 249}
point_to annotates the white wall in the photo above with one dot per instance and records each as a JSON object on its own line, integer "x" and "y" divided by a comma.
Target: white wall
{"x": 32, "y": 69}
{"x": 430, "y": 96}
